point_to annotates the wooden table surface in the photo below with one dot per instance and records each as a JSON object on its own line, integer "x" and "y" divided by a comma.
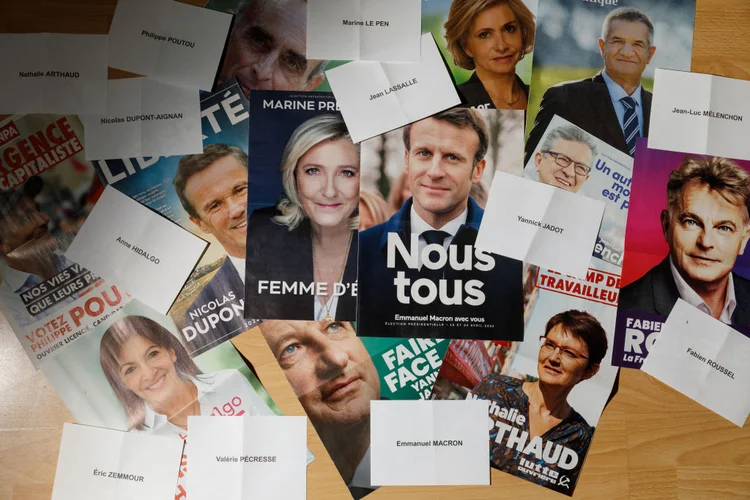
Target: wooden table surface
{"x": 651, "y": 442}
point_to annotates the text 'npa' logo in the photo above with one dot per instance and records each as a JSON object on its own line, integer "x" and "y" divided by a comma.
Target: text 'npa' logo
{"x": 8, "y": 132}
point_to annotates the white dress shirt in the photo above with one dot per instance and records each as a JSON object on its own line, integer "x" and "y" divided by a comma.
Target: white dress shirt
{"x": 691, "y": 297}
{"x": 418, "y": 225}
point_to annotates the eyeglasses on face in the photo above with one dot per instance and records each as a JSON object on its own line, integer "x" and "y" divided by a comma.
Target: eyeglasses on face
{"x": 562, "y": 160}
{"x": 567, "y": 354}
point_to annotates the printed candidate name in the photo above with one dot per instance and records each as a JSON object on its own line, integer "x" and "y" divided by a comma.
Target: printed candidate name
{"x": 118, "y": 475}
{"x": 246, "y": 459}
{"x": 55, "y": 74}
{"x": 143, "y": 118}
{"x": 708, "y": 113}
{"x": 538, "y": 223}
{"x": 397, "y": 87}
{"x": 168, "y": 39}
{"x": 710, "y": 363}
{"x": 347, "y": 22}
{"x": 434, "y": 442}
{"x": 520, "y": 440}
{"x": 139, "y": 251}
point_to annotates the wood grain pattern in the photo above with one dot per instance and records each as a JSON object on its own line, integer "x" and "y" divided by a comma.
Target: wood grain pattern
{"x": 651, "y": 443}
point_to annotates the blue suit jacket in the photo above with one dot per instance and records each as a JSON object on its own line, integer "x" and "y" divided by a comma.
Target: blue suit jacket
{"x": 225, "y": 289}
{"x": 378, "y": 303}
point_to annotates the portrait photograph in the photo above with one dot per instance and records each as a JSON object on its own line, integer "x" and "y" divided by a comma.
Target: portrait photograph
{"x": 303, "y": 192}
{"x": 335, "y": 375}
{"x": 595, "y": 62}
{"x": 562, "y": 367}
{"x": 686, "y": 237}
{"x": 131, "y": 373}
{"x": 488, "y": 46}
{"x": 424, "y": 189}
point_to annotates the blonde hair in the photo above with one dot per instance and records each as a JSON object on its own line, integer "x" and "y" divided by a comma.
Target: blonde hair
{"x": 374, "y": 203}
{"x": 463, "y": 12}
{"x": 312, "y": 132}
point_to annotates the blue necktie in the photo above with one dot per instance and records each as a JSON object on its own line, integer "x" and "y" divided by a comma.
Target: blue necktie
{"x": 630, "y": 125}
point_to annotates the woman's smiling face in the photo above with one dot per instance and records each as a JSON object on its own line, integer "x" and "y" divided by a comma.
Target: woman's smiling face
{"x": 494, "y": 40}
{"x": 148, "y": 370}
{"x": 328, "y": 182}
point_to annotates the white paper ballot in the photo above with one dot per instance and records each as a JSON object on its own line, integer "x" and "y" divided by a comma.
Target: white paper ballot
{"x": 53, "y": 73}
{"x": 168, "y": 40}
{"x": 247, "y": 458}
{"x": 697, "y": 113}
{"x": 372, "y": 30}
{"x": 705, "y": 360}
{"x": 540, "y": 224}
{"x": 377, "y": 97}
{"x": 429, "y": 443}
{"x": 136, "y": 248}
{"x": 104, "y": 464}
{"x": 145, "y": 117}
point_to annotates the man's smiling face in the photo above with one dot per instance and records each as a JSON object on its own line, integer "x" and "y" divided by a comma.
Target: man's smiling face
{"x": 626, "y": 52}
{"x": 563, "y": 151}
{"x": 219, "y": 195}
{"x": 705, "y": 235}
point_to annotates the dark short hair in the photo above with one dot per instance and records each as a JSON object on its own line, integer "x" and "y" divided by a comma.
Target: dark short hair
{"x": 463, "y": 12}
{"x": 720, "y": 174}
{"x": 461, "y": 118}
{"x": 629, "y": 14}
{"x": 584, "y": 326}
{"x": 190, "y": 165}
{"x": 109, "y": 358}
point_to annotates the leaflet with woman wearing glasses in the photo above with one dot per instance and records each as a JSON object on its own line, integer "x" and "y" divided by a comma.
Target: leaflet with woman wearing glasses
{"x": 537, "y": 434}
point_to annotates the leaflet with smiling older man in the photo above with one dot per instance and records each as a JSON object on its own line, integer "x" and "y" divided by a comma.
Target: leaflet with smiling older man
{"x": 599, "y": 58}
{"x": 420, "y": 272}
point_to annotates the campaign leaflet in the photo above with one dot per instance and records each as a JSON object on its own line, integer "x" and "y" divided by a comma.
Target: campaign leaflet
{"x": 608, "y": 180}
{"x": 249, "y": 43}
{"x": 670, "y": 257}
{"x": 47, "y": 189}
{"x": 496, "y": 372}
{"x": 303, "y": 192}
{"x": 435, "y": 16}
{"x": 445, "y": 287}
{"x": 336, "y": 374}
{"x": 577, "y": 76}
{"x": 209, "y": 308}
{"x": 131, "y": 373}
